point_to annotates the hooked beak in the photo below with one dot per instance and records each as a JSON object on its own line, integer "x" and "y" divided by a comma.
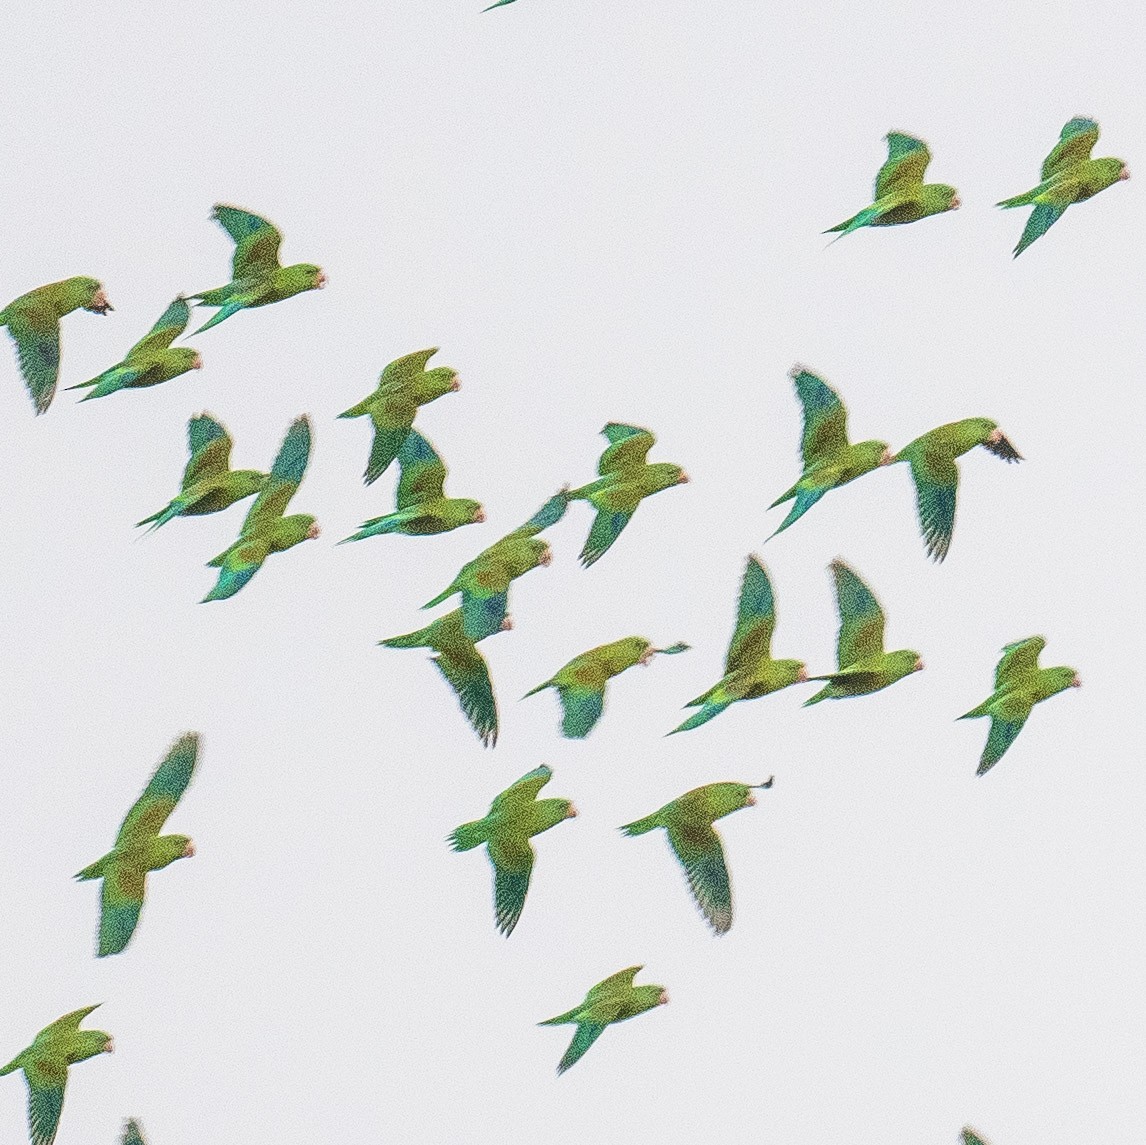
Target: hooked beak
{"x": 320, "y": 280}
{"x": 197, "y": 362}
{"x": 750, "y": 801}
{"x": 918, "y": 665}
{"x": 99, "y": 303}
{"x": 682, "y": 479}
{"x": 1076, "y": 682}
{"x": 479, "y": 515}
{"x": 312, "y": 532}
{"x": 886, "y": 458}
{"x": 455, "y": 384}
{"x": 110, "y": 1047}
{"x": 506, "y": 624}
{"x": 663, "y": 999}
{"x": 571, "y": 813}
{"x": 646, "y": 657}
{"x": 956, "y": 203}
{"x": 546, "y": 557}
{"x": 802, "y": 675}
{"x": 1124, "y": 173}
{"x": 189, "y": 850}
{"x": 995, "y": 436}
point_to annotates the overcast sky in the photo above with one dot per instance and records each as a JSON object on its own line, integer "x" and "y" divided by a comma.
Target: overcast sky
{"x": 601, "y": 211}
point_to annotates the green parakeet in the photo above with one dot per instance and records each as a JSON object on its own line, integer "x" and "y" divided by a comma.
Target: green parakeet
{"x": 257, "y": 276}
{"x": 45, "y": 1064}
{"x": 209, "y": 483}
{"x": 581, "y": 683}
{"x": 970, "y": 1137}
{"x": 484, "y": 582}
{"x": 132, "y": 1133}
{"x": 749, "y": 670}
{"x": 422, "y": 504}
{"x": 462, "y": 665}
{"x": 615, "y": 999}
{"x": 625, "y": 479}
{"x": 139, "y": 848}
{"x": 514, "y": 817}
{"x": 1069, "y": 176}
{"x": 688, "y": 823}
{"x": 151, "y": 360}
{"x": 33, "y": 321}
{"x": 829, "y": 461}
{"x": 901, "y": 196}
{"x": 265, "y": 529}
{"x": 404, "y": 385}
{"x": 864, "y": 667}
{"x": 936, "y": 476}
{"x": 1019, "y": 684}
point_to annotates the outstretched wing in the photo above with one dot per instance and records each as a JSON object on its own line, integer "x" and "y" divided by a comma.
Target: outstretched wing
{"x": 512, "y": 859}
{"x": 936, "y": 478}
{"x": 1020, "y": 660}
{"x": 755, "y": 619}
{"x": 256, "y": 241}
{"x": 698, "y": 848}
{"x": 825, "y": 419}
{"x": 1042, "y": 218}
{"x": 166, "y": 788}
{"x": 409, "y": 366}
{"x": 616, "y": 985}
{"x": 172, "y": 322}
{"x": 629, "y": 445}
{"x": 581, "y": 707}
{"x": 132, "y": 1133}
{"x": 1075, "y": 144}
{"x": 549, "y": 514}
{"x": 36, "y": 332}
{"x": 525, "y": 790}
{"x": 47, "y": 1076}
{"x": 467, "y": 673}
{"x": 210, "y": 447}
{"x": 970, "y": 1137}
{"x": 121, "y": 900}
{"x": 907, "y": 160}
{"x": 286, "y": 476}
{"x": 861, "y": 618}
{"x": 423, "y": 476}
{"x": 1007, "y": 719}
{"x": 68, "y": 1024}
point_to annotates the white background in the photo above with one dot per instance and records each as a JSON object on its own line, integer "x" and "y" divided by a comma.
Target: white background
{"x": 600, "y": 210}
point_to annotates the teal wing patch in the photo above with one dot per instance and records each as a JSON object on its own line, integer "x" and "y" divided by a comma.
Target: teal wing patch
{"x": 210, "y": 447}
{"x": 256, "y": 241}
{"x": 861, "y": 618}
{"x": 581, "y": 709}
{"x": 38, "y": 351}
{"x": 512, "y": 866}
{"x": 1042, "y": 218}
{"x": 1075, "y": 144}
{"x": 936, "y": 478}
{"x": 166, "y": 788}
{"x": 1020, "y": 660}
{"x": 286, "y": 476}
{"x": 423, "y": 476}
{"x": 607, "y": 527}
{"x": 466, "y": 672}
{"x": 907, "y": 160}
{"x": 120, "y": 903}
{"x": 825, "y": 419}
{"x": 755, "y": 619}
{"x": 698, "y": 848}
{"x": 171, "y": 323}
{"x": 629, "y": 445}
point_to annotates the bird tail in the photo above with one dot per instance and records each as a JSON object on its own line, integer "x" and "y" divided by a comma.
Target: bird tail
{"x": 14, "y": 1064}
{"x": 540, "y": 688}
{"x": 91, "y": 381}
{"x": 95, "y": 871}
{"x": 642, "y": 826}
{"x": 375, "y": 527}
{"x": 445, "y": 594}
{"x": 164, "y": 515}
{"x": 708, "y": 711}
{"x": 221, "y": 315}
{"x": 975, "y": 713}
{"x": 1025, "y": 199}
{"x": 360, "y": 410}
{"x": 822, "y": 694}
{"x": 409, "y": 640}
{"x": 562, "y": 1019}
{"x": 468, "y": 836}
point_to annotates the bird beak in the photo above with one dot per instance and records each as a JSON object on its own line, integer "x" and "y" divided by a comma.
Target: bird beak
{"x": 320, "y": 280}
{"x": 571, "y": 813}
{"x": 189, "y": 850}
{"x": 750, "y": 801}
{"x": 546, "y": 557}
{"x": 506, "y": 624}
{"x": 312, "y": 532}
{"x": 1075, "y": 682}
{"x": 197, "y": 363}
{"x": 885, "y": 458}
{"x": 110, "y": 1047}
{"x": 956, "y": 203}
{"x": 99, "y": 303}
{"x": 682, "y": 479}
{"x": 663, "y": 999}
{"x": 995, "y": 436}
{"x": 802, "y": 675}
{"x": 918, "y": 666}
{"x": 647, "y": 656}
{"x": 480, "y": 514}
{"x": 1124, "y": 173}
{"x": 455, "y": 384}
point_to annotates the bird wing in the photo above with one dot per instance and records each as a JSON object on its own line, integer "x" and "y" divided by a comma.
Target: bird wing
{"x": 581, "y": 707}
{"x": 237, "y": 565}
{"x": 1007, "y": 719}
{"x": 936, "y": 478}
{"x": 210, "y": 447}
{"x": 151, "y": 809}
{"x": 512, "y": 859}
{"x": 825, "y": 419}
{"x": 861, "y": 618}
{"x": 36, "y": 332}
{"x": 1020, "y": 660}
{"x": 1075, "y": 143}
{"x": 587, "y": 1033}
{"x": 549, "y": 514}
{"x": 68, "y": 1024}
{"x": 616, "y": 985}
{"x": 401, "y": 370}
{"x": 47, "y": 1075}
{"x": 628, "y": 447}
{"x": 422, "y": 473}
{"x": 525, "y": 790}
{"x": 970, "y": 1137}
{"x": 121, "y": 901}
{"x": 485, "y": 596}
{"x": 256, "y": 241}
{"x": 698, "y": 848}
{"x": 907, "y": 160}
{"x": 170, "y": 324}
{"x": 755, "y": 619}
{"x": 286, "y": 476}
{"x": 1042, "y": 218}
{"x": 132, "y": 1133}
{"x": 467, "y": 673}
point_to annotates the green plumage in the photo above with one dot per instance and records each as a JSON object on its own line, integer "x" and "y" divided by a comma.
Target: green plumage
{"x": 863, "y": 666}
{"x": 624, "y": 480}
{"x": 45, "y": 1064}
{"x": 1068, "y": 176}
{"x": 209, "y": 483}
{"x": 33, "y": 322}
{"x": 749, "y": 670}
{"x": 900, "y": 194}
{"x": 257, "y": 276}
{"x": 463, "y": 667}
{"x": 422, "y": 505}
{"x": 151, "y": 360}
{"x": 581, "y": 683}
{"x": 615, "y": 999}
{"x": 404, "y": 385}
{"x": 936, "y": 476}
{"x": 1019, "y": 684}
{"x": 139, "y": 848}
{"x": 970, "y": 1137}
{"x": 688, "y": 823}
{"x": 829, "y": 460}
{"x": 515, "y": 816}
{"x": 265, "y": 529}
{"x": 484, "y": 582}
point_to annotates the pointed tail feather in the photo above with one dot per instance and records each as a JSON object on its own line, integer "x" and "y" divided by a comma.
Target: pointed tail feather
{"x": 539, "y": 688}
{"x": 975, "y": 713}
{"x": 94, "y": 871}
{"x": 641, "y": 826}
{"x": 707, "y": 712}
{"x": 468, "y": 836}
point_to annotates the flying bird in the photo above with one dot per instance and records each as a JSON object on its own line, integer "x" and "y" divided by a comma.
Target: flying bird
{"x": 45, "y": 1064}
{"x": 463, "y": 667}
{"x": 581, "y": 683}
{"x": 864, "y": 667}
{"x": 209, "y": 483}
{"x": 151, "y": 360}
{"x": 688, "y": 823}
{"x": 132, "y": 1133}
{"x": 970, "y": 1137}
{"x": 514, "y": 817}
{"x": 33, "y": 322}
{"x": 265, "y": 529}
{"x": 484, "y": 582}
{"x": 422, "y": 505}
{"x": 829, "y": 461}
{"x": 1019, "y": 684}
{"x": 615, "y": 999}
{"x": 901, "y": 196}
{"x": 257, "y": 276}
{"x": 749, "y": 670}
{"x": 625, "y": 479}
{"x": 139, "y": 848}
{"x": 936, "y": 476}
{"x": 1068, "y": 176}
{"x": 404, "y": 385}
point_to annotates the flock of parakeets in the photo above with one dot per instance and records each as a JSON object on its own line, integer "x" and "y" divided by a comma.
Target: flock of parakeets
{"x": 624, "y": 479}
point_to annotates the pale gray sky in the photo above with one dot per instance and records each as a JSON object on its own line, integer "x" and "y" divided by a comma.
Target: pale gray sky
{"x": 600, "y": 211}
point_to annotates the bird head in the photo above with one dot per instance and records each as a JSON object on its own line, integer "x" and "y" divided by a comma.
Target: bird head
{"x": 197, "y": 362}
{"x": 478, "y": 515}
{"x": 570, "y": 812}
{"x": 1124, "y": 173}
{"x": 506, "y": 624}
{"x": 312, "y": 531}
{"x": 99, "y": 303}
